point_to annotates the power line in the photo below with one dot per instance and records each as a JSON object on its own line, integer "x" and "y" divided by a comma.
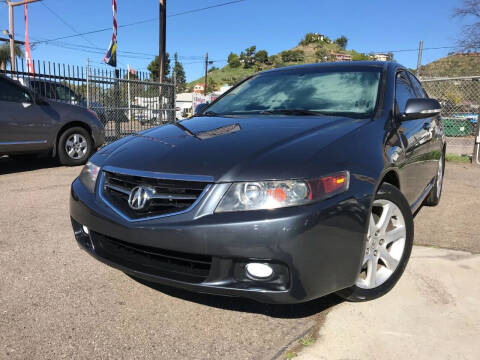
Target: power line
{"x": 66, "y": 23}
{"x": 144, "y": 21}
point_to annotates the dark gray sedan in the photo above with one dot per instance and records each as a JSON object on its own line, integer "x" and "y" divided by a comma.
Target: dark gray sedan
{"x": 30, "y": 125}
{"x": 296, "y": 183}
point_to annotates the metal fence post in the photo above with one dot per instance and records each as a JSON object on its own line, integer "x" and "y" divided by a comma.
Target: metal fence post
{"x": 174, "y": 97}
{"x": 116, "y": 102}
{"x": 88, "y": 83}
{"x": 476, "y": 148}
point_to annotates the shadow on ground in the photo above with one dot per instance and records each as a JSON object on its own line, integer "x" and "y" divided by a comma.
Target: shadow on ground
{"x": 27, "y": 163}
{"x": 290, "y": 311}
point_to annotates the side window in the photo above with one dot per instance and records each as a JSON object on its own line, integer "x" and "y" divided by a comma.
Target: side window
{"x": 403, "y": 91}
{"x": 418, "y": 87}
{"x": 13, "y": 93}
{"x": 63, "y": 93}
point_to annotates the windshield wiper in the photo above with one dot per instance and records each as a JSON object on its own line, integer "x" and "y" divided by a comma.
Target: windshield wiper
{"x": 291, "y": 112}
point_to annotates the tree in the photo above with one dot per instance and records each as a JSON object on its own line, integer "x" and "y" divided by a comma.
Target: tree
{"x": 322, "y": 54}
{"x": 179, "y": 75}
{"x": 471, "y": 33}
{"x": 342, "y": 41}
{"x": 211, "y": 86}
{"x": 154, "y": 66}
{"x": 247, "y": 57}
{"x": 213, "y": 68}
{"x": 5, "y": 54}
{"x": 261, "y": 56}
{"x": 233, "y": 60}
{"x": 312, "y": 38}
{"x": 360, "y": 56}
{"x": 292, "y": 56}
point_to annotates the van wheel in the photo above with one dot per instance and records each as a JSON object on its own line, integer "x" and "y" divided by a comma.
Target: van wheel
{"x": 388, "y": 245}
{"x": 74, "y": 146}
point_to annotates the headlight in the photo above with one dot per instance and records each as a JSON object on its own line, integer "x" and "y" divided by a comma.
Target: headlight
{"x": 277, "y": 194}
{"x": 88, "y": 176}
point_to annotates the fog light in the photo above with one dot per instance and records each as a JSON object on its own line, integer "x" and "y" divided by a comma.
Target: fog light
{"x": 259, "y": 271}
{"x": 85, "y": 229}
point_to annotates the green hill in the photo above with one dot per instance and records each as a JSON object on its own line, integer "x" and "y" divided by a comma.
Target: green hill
{"x": 453, "y": 65}
{"x": 313, "y": 48}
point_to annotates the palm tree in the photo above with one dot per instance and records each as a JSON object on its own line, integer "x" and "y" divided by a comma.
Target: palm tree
{"x": 5, "y": 54}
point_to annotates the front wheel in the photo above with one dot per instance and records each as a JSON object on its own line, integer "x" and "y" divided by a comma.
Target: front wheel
{"x": 75, "y": 146}
{"x": 388, "y": 245}
{"x": 433, "y": 199}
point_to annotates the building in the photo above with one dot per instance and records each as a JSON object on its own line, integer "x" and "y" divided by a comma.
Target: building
{"x": 184, "y": 103}
{"x": 199, "y": 88}
{"x": 341, "y": 56}
{"x": 381, "y": 57}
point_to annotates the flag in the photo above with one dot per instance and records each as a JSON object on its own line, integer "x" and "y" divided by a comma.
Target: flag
{"x": 111, "y": 55}
{"x": 28, "y": 53}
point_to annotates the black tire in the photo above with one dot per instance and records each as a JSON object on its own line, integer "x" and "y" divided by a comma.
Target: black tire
{"x": 433, "y": 198}
{"x": 355, "y": 293}
{"x": 78, "y": 158}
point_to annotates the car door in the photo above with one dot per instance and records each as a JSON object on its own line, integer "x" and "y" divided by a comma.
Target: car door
{"x": 433, "y": 126}
{"x": 415, "y": 138}
{"x": 24, "y": 125}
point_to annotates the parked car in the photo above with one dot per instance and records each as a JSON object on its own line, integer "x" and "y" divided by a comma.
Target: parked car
{"x": 30, "y": 124}
{"x": 62, "y": 93}
{"x": 296, "y": 183}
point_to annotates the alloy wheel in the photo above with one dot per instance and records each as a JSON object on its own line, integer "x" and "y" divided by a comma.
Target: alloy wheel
{"x": 385, "y": 244}
{"x": 76, "y": 146}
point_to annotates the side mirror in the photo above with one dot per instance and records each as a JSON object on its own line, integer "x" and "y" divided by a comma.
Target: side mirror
{"x": 200, "y": 107}
{"x": 420, "y": 108}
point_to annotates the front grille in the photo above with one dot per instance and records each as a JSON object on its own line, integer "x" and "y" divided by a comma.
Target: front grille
{"x": 171, "y": 196}
{"x": 168, "y": 264}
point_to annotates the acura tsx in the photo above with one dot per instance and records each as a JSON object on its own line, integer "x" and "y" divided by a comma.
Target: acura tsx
{"x": 296, "y": 183}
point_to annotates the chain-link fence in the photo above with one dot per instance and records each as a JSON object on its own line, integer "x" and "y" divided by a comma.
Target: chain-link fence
{"x": 460, "y": 99}
{"x": 126, "y": 101}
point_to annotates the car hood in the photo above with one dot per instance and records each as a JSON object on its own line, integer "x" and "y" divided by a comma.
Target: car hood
{"x": 233, "y": 148}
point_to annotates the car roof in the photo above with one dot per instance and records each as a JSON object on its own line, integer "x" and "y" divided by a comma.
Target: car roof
{"x": 339, "y": 65}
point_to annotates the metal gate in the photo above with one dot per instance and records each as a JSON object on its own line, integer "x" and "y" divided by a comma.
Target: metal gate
{"x": 125, "y": 101}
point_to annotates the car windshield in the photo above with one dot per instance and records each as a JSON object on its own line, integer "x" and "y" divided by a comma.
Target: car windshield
{"x": 300, "y": 92}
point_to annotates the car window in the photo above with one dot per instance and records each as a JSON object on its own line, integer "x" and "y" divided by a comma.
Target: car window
{"x": 418, "y": 87}
{"x": 403, "y": 91}
{"x": 63, "y": 93}
{"x": 13, "y": 93}
{"x": 42, "y": 88}
{"x": 352, "y": 92}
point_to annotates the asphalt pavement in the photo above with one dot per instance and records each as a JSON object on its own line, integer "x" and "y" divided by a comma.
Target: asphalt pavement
{"x": 57, "y": 302}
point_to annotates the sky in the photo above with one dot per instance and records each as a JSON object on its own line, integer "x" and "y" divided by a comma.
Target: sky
{"x": 273, "y": 25}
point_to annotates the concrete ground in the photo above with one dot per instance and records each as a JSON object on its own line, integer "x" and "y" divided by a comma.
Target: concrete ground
{"x": 432, "y": 313}
{"x": 58, "y": 302}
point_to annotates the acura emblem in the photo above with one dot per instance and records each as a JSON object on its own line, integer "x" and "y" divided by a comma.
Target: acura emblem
{"x": 139, "y": 197}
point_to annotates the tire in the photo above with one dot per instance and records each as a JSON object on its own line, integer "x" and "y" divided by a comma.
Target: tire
{"x": 75, "y": 146}
{"x": 388, "y": 245}
{"x": 433, "y": 198}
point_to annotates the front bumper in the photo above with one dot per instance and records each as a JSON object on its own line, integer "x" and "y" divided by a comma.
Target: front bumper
{"x": 315, "y": 250}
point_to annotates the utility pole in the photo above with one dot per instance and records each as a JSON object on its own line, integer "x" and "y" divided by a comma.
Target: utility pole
{"x": 206, "y": 75}
{"x": 162, "y": 38}
{"x": 11, "y": 28}
{"x": 419, "y": 60}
